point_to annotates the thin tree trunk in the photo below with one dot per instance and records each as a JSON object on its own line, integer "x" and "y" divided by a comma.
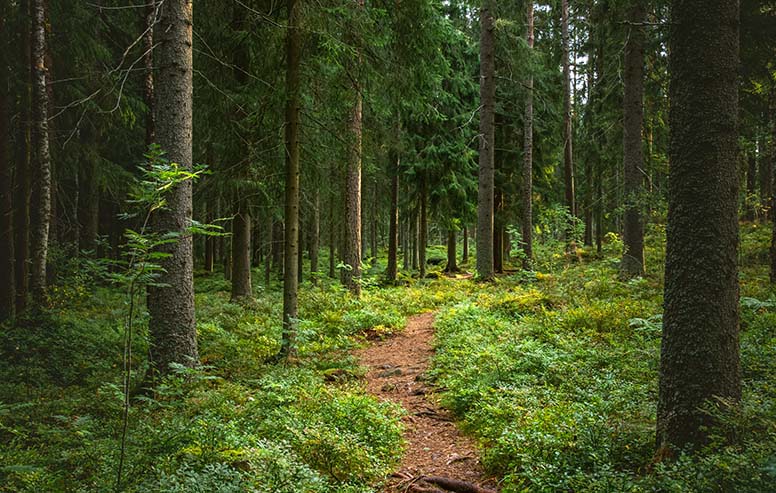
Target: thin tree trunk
{"x": 393, "y": 223}
{"x": 40, "y": 210}
{"x": 270, "y": 248}
{"x": 8, "y": 285}
{"x": 414, "y": 234}
{"x": 148, "y": 77}
{"x": 373, "y": 225}
{"x": 22, "y": 178}
{"x": 527, "y": 219}
{"x": 332, "y": 241}
{"x": 423, "y": 226}
{"x": 89, "y": 208}
{"x": 465, "y": 255}
{"x": 751, "y": 187}
{"x": 292, "y": 249}
{"x": 352, "y": 252}
{"x": 315, "y": 234}
{"x": 772, "y": 158}
{"x": 406, "y": 246}
{"x": 172, "y": 324}
{"x": 699, "y": 361}
{"x": 599, "y": 210}
{"x": 568, "y": 153}
{"x": 241, "y": 252}
{"x": 632, "y": 264}
{"x": 452, "y": 253}
{"x": 766, "y": 175}
{"x": 487, "y": 142}
{"x": 498, "y": 232}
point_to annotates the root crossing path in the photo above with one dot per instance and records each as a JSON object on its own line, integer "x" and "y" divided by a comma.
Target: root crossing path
{"x": 436, "y": 449}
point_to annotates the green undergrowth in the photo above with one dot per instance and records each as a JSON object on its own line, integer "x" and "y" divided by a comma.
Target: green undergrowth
{"x": 236, "y": 424}
{"x": 557, "y": 377}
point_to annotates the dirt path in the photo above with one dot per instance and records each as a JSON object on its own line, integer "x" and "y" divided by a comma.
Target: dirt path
{"x": 435, "y": 446}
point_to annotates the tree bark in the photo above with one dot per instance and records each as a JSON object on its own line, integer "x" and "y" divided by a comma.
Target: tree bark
{"x": 332, "y": 240}
{"x": 772, "y": 158}
{"x": 393, "y": 222}
{"x": 527, "y": 195}
{"x": 498, "y": 232}
{"x": 452, "y": 253}
{"x": 8, "y": 285}
{"x": 40, "y": 210}
{"x": 465, "y": 253}
{"x": 292, "y": 253}
{"x": 423, "y": 226}
{"x": 89, "y": 206}
{"x": 148, "y": 76}
{"x": 568, "y": 154}
{"x": 487, "y": 142}
{"x": 700, "y": 350}
{"x": 766, "y": 176}
{"x": 172, "y": 324}
{"x": 241, "y": 252}
{"x": 751, "y": 187}
{"x": 315, "y": 234}
{"x": 632, "y": 264}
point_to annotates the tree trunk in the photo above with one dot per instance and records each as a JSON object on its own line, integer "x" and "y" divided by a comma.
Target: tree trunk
{"x": 414, "y": 234}
{"x": 315, "y": 234}
{"x": 487, "y": 142}
{"x": 40, "y": 209}
{"x": 465, "y": 253}
{"x": 452, "y": 246}
{"x": 148, "y": 76}
{"x": 700, "y": 351}
{"x": 406, "y": 246}
{"x": 393, "y": 220}
{"x": 270, "y": 249}
{"x": 89, "y": 206}
{"x": 332, "y": 240}
{"x": 632, "y": 264}
{"x": 241, "y": 252}
{"x": 527, "y": 219}
{"x": 22, "y": 178}
{"x": 772, "y": 158}
{"x": 292, "y": 253}
{"x": 568, "y": 154}
{"x": 423, "y": 226}
{"x": 751, "y": 187}
{"x": 172, "y": 324}
{"x": 766, "y": 176}
{"x": 8, "y": 285}
{"x": 498, "y": 232}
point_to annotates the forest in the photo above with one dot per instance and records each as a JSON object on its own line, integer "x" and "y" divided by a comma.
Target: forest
{"x": 388, "y": 246}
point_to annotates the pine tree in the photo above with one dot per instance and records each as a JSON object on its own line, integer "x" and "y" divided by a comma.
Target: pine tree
{"x": 632, "y": 264}
{"x": 487, "y": 142}
{"x": 699, "y": 361}
{"x": 171, "y": 303}
{"x": 293, "y": 102}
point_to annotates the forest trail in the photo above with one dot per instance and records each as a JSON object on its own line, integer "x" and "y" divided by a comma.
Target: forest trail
{"x": 435, "y": 446}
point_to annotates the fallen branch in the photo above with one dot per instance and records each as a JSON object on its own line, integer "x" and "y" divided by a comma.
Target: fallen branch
{"x": 455, "y": 485}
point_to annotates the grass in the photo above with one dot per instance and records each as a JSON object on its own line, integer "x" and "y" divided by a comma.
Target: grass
{"x": 558, "y": 376}
{"x": 555, "y": 372}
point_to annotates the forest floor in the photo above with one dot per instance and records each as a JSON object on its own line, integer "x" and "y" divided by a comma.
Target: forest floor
{"x": 435, "y": 446}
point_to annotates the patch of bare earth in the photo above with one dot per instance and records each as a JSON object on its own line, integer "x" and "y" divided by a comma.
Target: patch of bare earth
{"x": 439, "y": 458}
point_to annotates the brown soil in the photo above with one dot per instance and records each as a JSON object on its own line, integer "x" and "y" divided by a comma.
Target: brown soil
{"x": 435, "y": 447}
